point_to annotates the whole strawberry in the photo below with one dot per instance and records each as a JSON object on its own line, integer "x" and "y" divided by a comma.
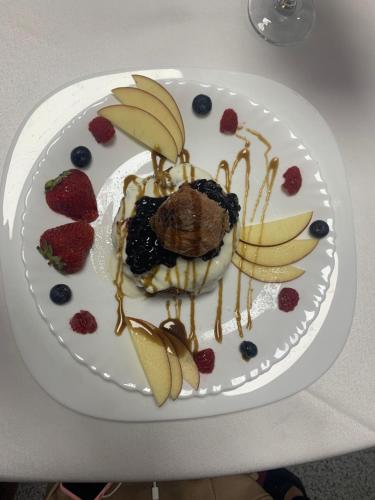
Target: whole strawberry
{"x": 66, "y": 247}
{"x": 71, "y": 194}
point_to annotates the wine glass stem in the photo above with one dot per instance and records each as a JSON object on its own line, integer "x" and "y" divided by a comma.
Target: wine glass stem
{"x": 286, "y": 6}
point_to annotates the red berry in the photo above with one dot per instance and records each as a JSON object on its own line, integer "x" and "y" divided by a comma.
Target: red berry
{"x": 229, "y": 122}
{"x": 71, "y": 194}
{"x": 205, "y": 360}
{"x": 83, "y": 322}
{"x": 66, "y": 247}
{"x": 102, "y": 129}
{"x": 293, "y": 180}
{"x": 288, "y": 299}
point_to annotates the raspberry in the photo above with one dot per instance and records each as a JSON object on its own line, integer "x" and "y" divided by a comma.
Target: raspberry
{"x": 229, "y": 122}
{"x": 83, "y": 322}
{"x": 205, "y": 360}
{"x": 102, "y": 129}
{"x": 288, "y": 299}
{"x": 293, "y": 180}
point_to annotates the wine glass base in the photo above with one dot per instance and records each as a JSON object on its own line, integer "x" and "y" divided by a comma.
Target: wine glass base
{"x": 282, "y": 28}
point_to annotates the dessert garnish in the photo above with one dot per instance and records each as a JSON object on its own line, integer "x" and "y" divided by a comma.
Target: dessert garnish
{"x": 202, "y": 104}
{"x": 80, "y": 156}
{"x": 71, "y": 194}
{"x": 319, "y": 229}
{"x": 229, "y": 122}
{"x": 102, "y": 129}
{"x": 189, "y": 223}
{"x": 293, "y": 181}
{"x": 275, "y": 232}
{"x": 248, "y": 350}
{"x": 205, "y": 360}
{"x": 60, "y": 294}
{"x": 83, "y": 322}
{"x": 277, "y": 255}
{"x": 138, "y": 98}
{"x": 66, "y": 247}
{"x": 287, "y": 299}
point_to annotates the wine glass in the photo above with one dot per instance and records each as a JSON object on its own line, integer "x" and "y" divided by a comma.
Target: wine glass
{"x": 282, "y": 22}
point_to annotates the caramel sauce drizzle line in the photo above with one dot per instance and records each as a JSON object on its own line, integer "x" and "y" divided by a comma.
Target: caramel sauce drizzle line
{"x": 269, "y": 181}
{"x": 184, "y": 156}
{"x": 244, "y": 154}
{"x": 160, "y": 187}
{"x": 218, "y": 328}
{"x": 224, "y": 166}
{"x": 121, "y": 232}
{"x": 168, "y": 307}
{"x": 208, "y": 267}
{"x": 193, "y": 339}
{"x": 177, "y": 307}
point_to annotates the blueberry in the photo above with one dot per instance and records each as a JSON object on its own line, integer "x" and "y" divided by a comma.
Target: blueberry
{"x": 248, "y": 350}
{"x": 80, "y": 156}
{"x": 319, "y": 229}
{"x": 60, "y": 294}
{"x": 202, "y": 104}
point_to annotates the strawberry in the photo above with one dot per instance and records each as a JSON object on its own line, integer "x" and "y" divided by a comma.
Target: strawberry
{"x": 71, "y": 194}
{"x": 66, "y": 247}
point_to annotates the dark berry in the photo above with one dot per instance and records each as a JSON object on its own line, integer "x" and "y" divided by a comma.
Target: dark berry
{"x": 288, "y": 299}
{"x": 205, "y": 360}
{"x": 80, "y": 156}
{"x": 293, "y": 180}
{"x": 60, "y": 294}
{"x": 202, "y": 104}
{"x": 248, "y": 350}
{"x": 319, "y": 229}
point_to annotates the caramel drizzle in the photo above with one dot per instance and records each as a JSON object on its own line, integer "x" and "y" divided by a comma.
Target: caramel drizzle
{"x": 244, "y": 154}
{"x": 218, "y": 327}
{"x": 160, "y": 182}
{"x": 224, "y": 166}
{"x": 184, "y": 156}
{"x": 268, "y": 181}
{"x": 148, "y": 280}
{"x": 205, "y": 277}
{"x": 168, "y": 308}
{"x": 193, "y": 339}
{"x": 121, "y": 232}
{"x": 177, "y": 303}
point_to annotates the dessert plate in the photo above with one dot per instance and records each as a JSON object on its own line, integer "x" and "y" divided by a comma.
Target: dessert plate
{"x": 71, "y": 383}
{"x": 275, "y": 333}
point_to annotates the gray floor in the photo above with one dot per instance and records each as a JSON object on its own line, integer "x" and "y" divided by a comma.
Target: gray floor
{"x": 350, "y": 477}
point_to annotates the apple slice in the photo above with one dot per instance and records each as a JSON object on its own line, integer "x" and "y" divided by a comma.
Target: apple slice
{"x": 174, "y": 362}
{"x": 275, "y": 232}
{"x": 189, "y": 368}
{"x": 154, "y": 88}
{"x": 142, "y": 126}
{"x": 279, "y": 255}
{"x": 153, "y": 357}
{"x": 267, "y": 274}
{"x": 148, "y": 102}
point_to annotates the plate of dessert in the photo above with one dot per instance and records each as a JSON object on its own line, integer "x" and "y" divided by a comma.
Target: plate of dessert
{"x": 178, "y": 238}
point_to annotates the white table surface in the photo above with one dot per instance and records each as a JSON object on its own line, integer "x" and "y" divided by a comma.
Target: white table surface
{"x": 45, "y": 44}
